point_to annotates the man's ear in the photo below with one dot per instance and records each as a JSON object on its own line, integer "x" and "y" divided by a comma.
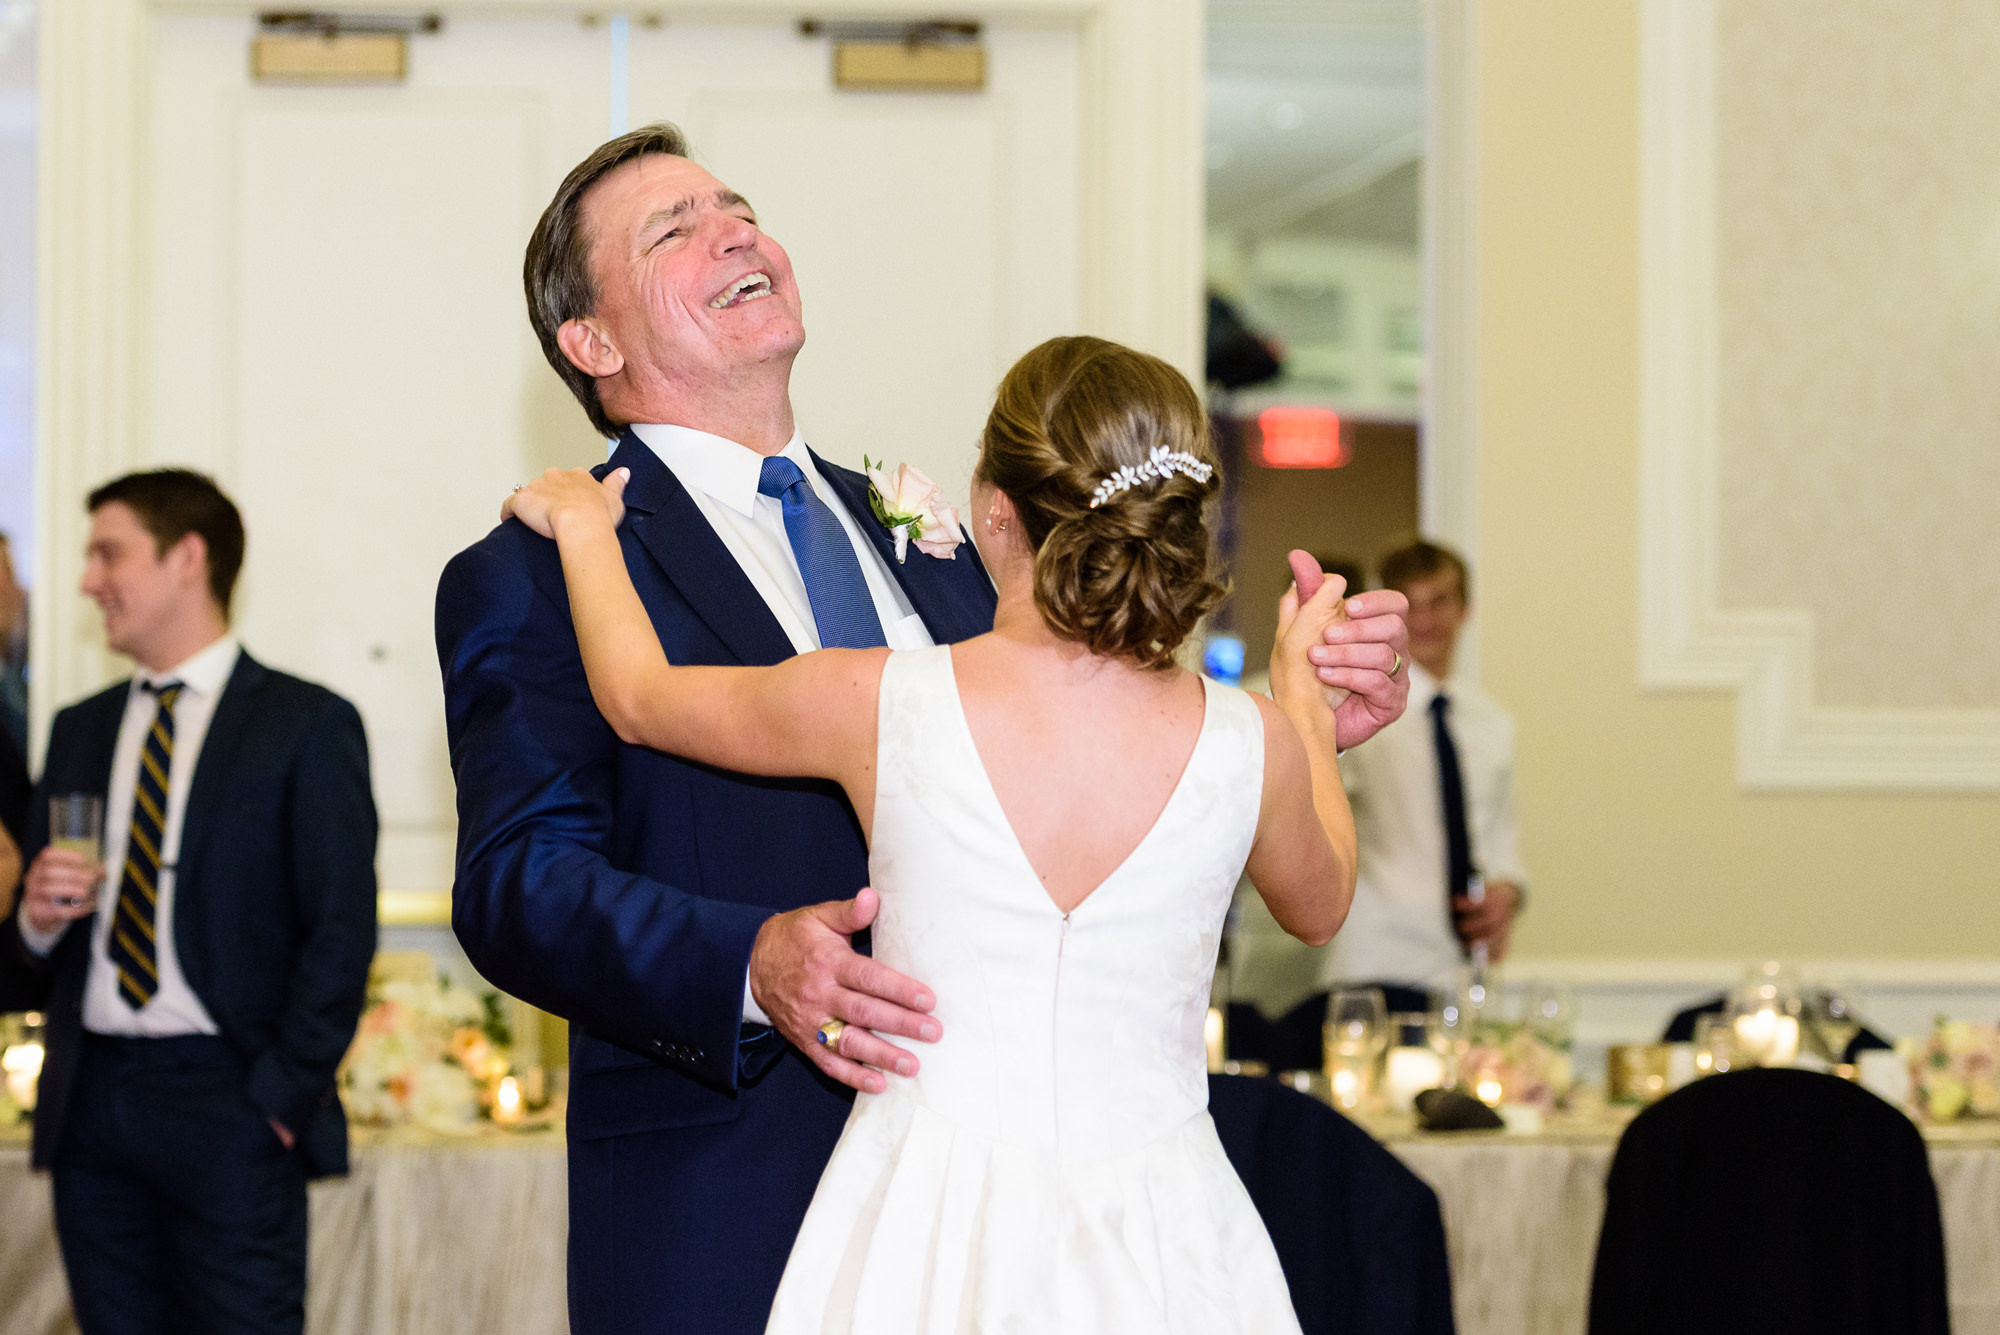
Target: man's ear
{"x": 189, "y": 559}
{"x": 589, "y": 348}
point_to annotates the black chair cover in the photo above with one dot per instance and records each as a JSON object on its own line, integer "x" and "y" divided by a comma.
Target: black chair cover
{"x": 1359, "y": 1235}
{"x": 1768, "y": 1203}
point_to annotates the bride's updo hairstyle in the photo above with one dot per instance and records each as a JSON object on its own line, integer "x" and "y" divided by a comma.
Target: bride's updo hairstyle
{"x": 1131, "y": 576}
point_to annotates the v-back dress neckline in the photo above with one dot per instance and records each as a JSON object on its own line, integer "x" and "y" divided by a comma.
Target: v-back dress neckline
{"x": 992, "y": 791}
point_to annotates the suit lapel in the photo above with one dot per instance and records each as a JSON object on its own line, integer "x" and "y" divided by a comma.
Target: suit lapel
{"x": 665, "y": 520}
{"x": 90, "y": 771}
{"x": 949, "y": 618}
{"x": 227, "y": 728}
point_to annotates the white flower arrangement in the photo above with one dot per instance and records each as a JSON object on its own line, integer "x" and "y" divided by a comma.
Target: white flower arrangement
{"x": 1954, "y": 1070}
{"x": 912, "y": 507}
{"x": 1508, "y": 1063}
{"x": 426, "y": 1052}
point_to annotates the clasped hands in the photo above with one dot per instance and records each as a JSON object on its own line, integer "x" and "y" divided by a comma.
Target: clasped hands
{"x": 804, "y": 970}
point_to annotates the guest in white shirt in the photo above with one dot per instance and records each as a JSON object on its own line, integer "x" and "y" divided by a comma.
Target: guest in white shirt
{"x": 1433, "y": 797}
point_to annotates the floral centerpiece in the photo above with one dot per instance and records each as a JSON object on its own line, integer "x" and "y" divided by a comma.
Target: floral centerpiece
{"x": 427, "y": 1051}
{"x": 1954, "y": 1070}
{"x": 1510, "y": 1063}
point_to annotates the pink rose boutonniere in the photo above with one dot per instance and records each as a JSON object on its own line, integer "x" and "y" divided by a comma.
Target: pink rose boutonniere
{"x": 912, "y": 507}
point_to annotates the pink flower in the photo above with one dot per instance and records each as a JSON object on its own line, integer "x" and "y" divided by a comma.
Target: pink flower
{"x": 913, "y": 507}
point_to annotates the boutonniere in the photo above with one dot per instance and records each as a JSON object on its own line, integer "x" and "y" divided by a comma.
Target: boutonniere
{"x": 912, "y": 507}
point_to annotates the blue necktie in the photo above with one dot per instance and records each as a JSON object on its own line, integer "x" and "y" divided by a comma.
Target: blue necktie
{"x": 842, "y": 609}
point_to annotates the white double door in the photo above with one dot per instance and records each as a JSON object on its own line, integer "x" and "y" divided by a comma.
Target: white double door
{"x": 338, "y": 332}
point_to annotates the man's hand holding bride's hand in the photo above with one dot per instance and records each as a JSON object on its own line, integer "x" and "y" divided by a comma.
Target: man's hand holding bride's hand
{"x": 1365, "y": 653}
{"x": 562, "y": 493}
{"x": 805, "y": 971}
{"x": 1310, "y": 607}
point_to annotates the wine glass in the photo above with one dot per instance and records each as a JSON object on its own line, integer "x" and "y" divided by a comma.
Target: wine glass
{"x": 1453, "y": 1019}
{"x": 1834, "y": 1019}
{"x": 1355, "y": 1037}
{"x": 1552, "y": 1013}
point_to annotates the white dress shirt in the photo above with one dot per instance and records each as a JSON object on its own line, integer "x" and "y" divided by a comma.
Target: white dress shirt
{"x": 1399, "y": 929}
{"x": 174, "y": 1009}
{"x": 722, "y": 477}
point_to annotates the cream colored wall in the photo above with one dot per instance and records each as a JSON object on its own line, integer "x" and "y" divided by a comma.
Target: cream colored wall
{"x": 1643, "y": 845}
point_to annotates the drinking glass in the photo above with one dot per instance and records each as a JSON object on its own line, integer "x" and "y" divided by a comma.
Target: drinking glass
{"x": 1355, "y": 1037}
{"x": 1833, "y": 1017}
{"x": 1453, "y": 1019}
{"x": 1552, "y": 1014}
{"x": 1715, "y": 1043}
{"x": 1764, "y": 1010}
{"x": 76, "y": 822}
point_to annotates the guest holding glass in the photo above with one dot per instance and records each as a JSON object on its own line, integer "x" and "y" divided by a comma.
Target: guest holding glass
{"x": 201, "y": 992}
{"x": 1433, "y": 798}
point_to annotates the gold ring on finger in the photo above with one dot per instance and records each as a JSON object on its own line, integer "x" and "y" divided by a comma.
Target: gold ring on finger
{"x": 829, "y": 1033}
{"x": 1397, "y": 666}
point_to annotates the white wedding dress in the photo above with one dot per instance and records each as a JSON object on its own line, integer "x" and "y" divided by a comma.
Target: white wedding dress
{"x": 1052, "y": 1168}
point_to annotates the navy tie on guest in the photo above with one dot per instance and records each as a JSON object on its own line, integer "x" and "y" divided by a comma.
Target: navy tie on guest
{"x": 1459, "y": 870}
{"x": 131, "y": 946}
{"x": 841, "y": 606}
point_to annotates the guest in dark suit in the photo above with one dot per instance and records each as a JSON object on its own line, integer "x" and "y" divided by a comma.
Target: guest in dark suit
{"x": 693, "y": 925}
{"x": 201, "y": 993}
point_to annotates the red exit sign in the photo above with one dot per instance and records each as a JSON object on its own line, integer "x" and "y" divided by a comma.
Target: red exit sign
{"x": 1300, "y": 438}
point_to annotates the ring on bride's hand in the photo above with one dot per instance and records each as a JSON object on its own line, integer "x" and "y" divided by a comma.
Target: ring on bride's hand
{"x": 830, "y": 1032}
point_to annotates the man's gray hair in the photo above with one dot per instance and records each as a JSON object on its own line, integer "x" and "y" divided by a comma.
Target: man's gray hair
{"x": 557, "y": 272}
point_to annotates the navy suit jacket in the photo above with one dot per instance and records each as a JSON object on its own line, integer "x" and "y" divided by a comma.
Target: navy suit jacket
{"x": 622, "y": 889}
{"x": 274, "y": 899}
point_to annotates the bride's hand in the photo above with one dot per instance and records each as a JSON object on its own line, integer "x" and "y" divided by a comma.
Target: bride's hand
{"x": 564, "y": 492}
{"x": 1314, "y": 602}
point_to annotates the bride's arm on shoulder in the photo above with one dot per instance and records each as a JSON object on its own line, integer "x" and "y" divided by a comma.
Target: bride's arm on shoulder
{"x": 812, "y": 716}
{"x": 1303, "y": 861}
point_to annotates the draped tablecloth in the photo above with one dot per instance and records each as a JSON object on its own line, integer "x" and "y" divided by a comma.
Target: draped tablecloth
{"x": 447, "y": 1236}
{"x": 1521, "y": 1216}
{"x": 428, "y": 1235}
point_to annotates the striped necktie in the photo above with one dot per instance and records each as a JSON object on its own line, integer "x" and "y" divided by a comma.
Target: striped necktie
{"x": 132, "y": 947}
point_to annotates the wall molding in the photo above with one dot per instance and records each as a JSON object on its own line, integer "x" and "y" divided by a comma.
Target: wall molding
{"x": 90, "y": 381}
{"x": 1449, "y": 459}
{"x": 1785, "y": 738}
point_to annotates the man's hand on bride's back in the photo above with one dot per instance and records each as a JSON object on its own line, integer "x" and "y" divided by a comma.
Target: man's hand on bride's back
{"x": 805, "y": 971}
{"x": 562, "y": 494}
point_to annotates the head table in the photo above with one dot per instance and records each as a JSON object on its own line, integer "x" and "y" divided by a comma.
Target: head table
{"x": 464, "y": 1235}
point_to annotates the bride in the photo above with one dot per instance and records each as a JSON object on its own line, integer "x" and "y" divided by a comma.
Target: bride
{"x": 1057, "y": 815}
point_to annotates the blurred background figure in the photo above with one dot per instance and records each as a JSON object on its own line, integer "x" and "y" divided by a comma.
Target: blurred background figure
{"x": 13, "y": 651}
{"x": 1433, "y": 805}
{"x": 16, "y": 789}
